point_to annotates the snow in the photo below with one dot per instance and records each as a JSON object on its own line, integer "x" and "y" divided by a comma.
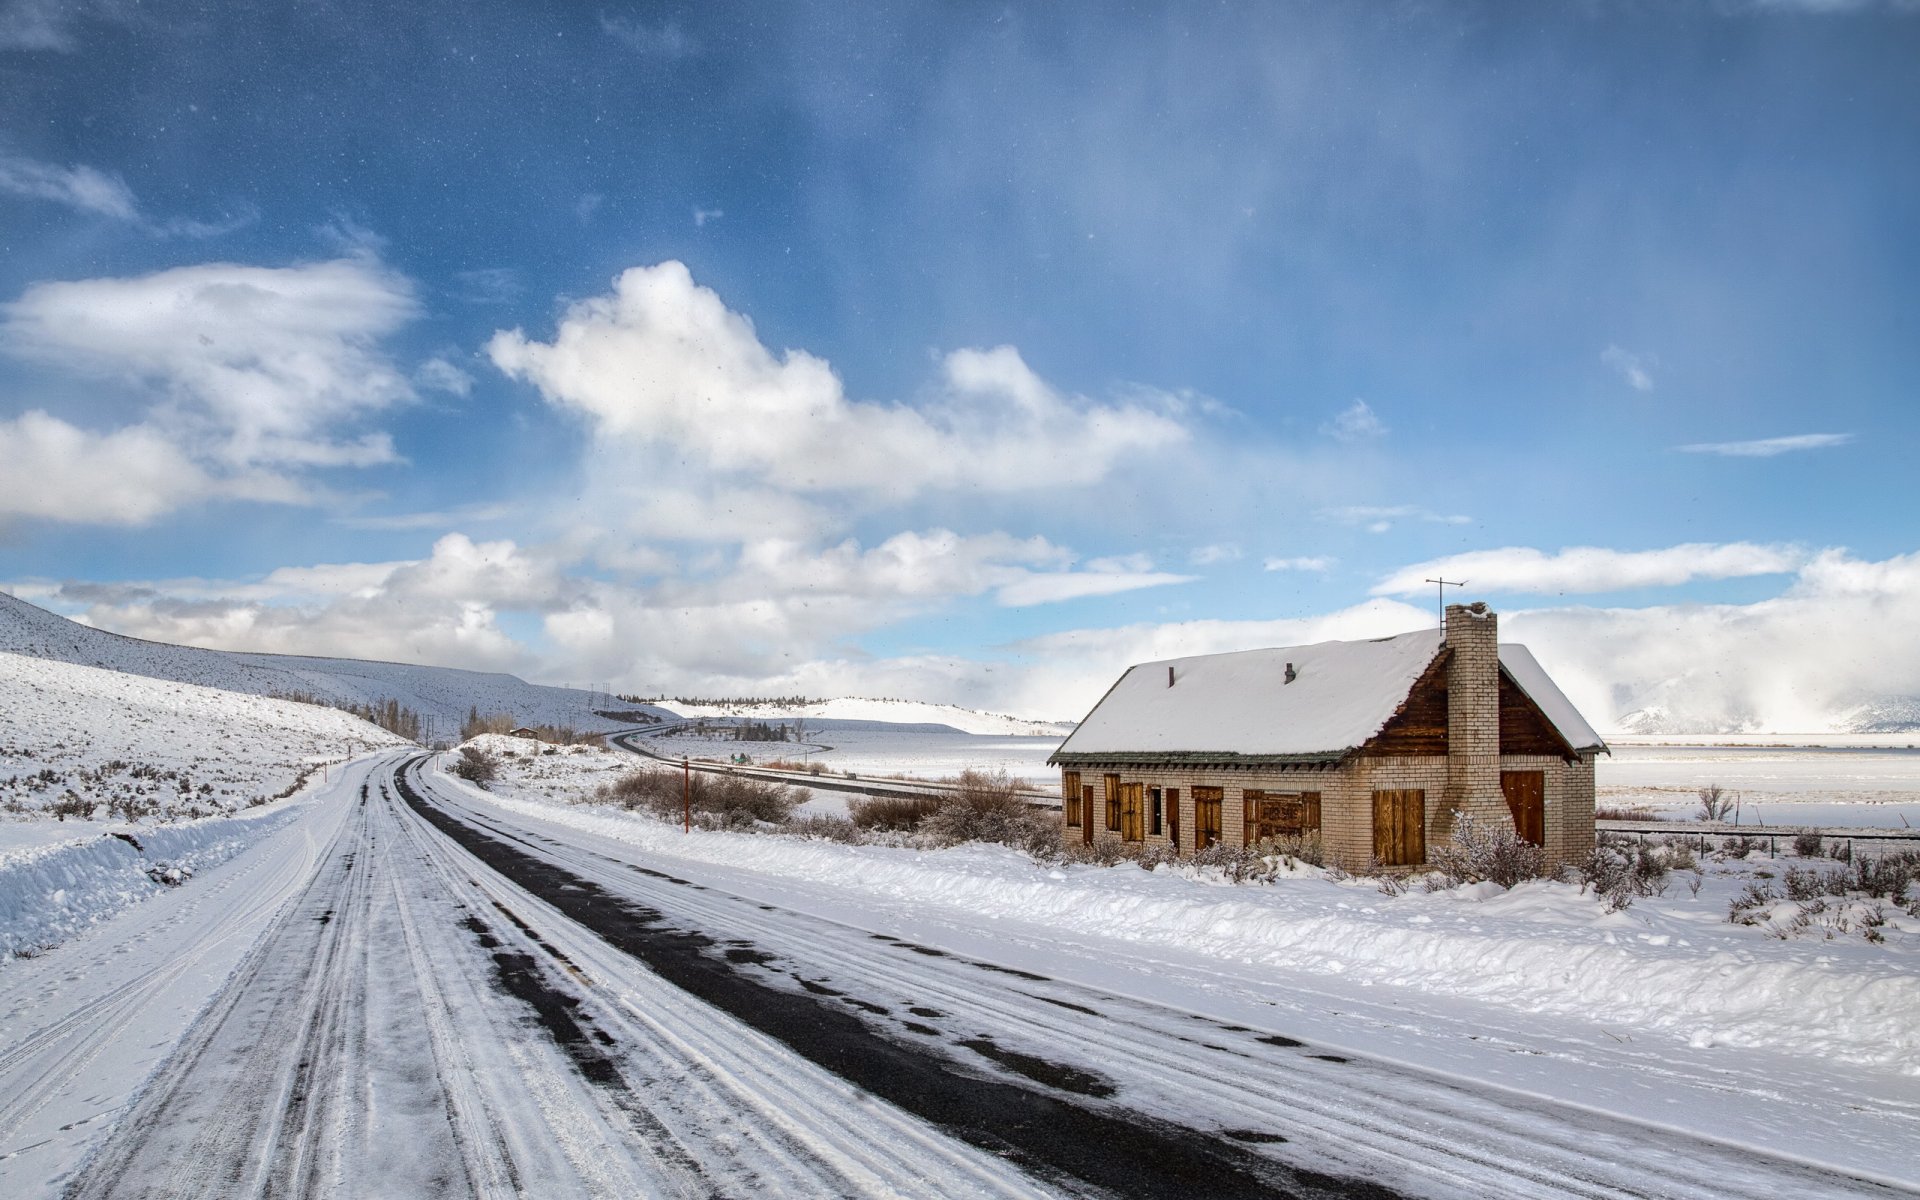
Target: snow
{"x": 1241, "y": 703}
{"x": 895, "y": 712}
{"x": 1777, "y": 785}
{"x": 203, "y": 761}
{"x": 1671, "y": 967}
{"x": 171, "y": 748}
{"x": 442, "y": 694}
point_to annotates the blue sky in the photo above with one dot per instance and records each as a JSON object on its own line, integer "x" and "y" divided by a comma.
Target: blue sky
{"x": 968, "y": 353}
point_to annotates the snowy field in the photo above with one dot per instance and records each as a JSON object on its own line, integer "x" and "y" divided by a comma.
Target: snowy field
{"x": 1665, "y": 1010}
{"x": 1856, "y": 784}
{"x": 871, "y": 749}
{"x": 179, "y": 778}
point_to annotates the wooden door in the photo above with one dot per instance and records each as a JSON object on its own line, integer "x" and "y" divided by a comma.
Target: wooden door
{"x": 1527, "y": 799}
{"x": 1400, "y": 827}
{"x": 1132, "y": 799}
{"x": 1173, "y": 817}
{"x": 1206, "y": 816}
{"x": 1086, "y": 813}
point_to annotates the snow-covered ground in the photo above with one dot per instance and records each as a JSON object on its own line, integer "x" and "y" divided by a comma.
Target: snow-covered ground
{"x": 180, "y": 777}
{"x": 1780, "y": 784}
{"x": 1665, "y": 1010}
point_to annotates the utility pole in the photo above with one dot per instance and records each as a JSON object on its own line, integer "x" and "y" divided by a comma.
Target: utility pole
{"x": 1441, "y": 586}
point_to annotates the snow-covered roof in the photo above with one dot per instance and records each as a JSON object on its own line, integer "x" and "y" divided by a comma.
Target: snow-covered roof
{"x": 1239, "y": 705}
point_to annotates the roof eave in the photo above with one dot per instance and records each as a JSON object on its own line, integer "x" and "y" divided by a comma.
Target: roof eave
{"x": 1229, "y": 758}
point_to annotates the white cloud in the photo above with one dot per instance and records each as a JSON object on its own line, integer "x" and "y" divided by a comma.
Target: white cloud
{"x": 1355, "y": 423}
{"x": 474, "y": 513}
{"x": 663, "y": 362}
{"x": 55, "y": 471}
{"x": 495, "y": 285}
{"x": 255, "y": 366}
{"x": 702, "y": 215}
{"x": 1319, "y": 563}
{"x": 1634, "y": 368}
{"x": 1580, "y": 569}
{"x": 1208, "y": 556}
{"x": 1378, "y": 518}
{"x": 442, "y": 376}
{"x": 78, "y": 187}
{"x": 1769, "y": 447}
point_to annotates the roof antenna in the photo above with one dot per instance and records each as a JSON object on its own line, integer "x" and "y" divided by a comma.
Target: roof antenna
{"x": 1444, "y": 584}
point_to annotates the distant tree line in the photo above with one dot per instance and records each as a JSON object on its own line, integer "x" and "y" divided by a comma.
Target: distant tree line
{"x": 388, "y": 714}
{"x": 726, "y": 701}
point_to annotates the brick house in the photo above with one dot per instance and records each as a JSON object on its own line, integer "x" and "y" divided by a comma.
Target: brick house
{"x": 1376, "y": 744}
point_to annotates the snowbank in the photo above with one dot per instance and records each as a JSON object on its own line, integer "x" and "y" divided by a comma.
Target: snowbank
{"x": 50, "y": 893}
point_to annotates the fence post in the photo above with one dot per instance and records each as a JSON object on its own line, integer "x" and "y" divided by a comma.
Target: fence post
{"x": 686, "y": 792}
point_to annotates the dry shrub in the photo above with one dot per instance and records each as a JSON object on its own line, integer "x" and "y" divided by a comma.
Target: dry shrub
{"x": 476, "y": 765}
{"x": 721, "y": 801}
{"x": 988, "y": 807}
{"x": 1808, "y": 843}
{"x": 898, "y": 814}
{"x": 1627, "y": 812}
{"x": 1617, "y": 871}
{"x": 832, "y": 829}
{"x": 1492, "y": 854}
{"x": 1291, "y": 847}
{"x": 1716, "y": 803}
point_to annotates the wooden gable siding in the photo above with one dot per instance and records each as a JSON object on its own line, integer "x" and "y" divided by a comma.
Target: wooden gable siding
{"x": 1524, "y": 729}
{"x": 1420, "y": 726}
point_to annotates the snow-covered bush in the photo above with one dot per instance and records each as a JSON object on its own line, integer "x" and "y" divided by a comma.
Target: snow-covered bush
{"x": 1478, "y": 853}
{"x": 1618, "y": 871}
{"x": 1830, "y": 902}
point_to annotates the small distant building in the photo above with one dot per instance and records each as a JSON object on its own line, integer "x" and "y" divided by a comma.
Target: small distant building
{"x": 521, "y": 731}
{"x": 1377, "y": 745}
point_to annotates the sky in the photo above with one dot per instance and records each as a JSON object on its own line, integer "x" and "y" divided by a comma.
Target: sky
{"x": 967, "y": 353}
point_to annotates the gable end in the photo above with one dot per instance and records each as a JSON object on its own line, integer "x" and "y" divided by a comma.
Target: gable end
{"x": 1524, "y": 728}
{"x": 1419, "y": 726}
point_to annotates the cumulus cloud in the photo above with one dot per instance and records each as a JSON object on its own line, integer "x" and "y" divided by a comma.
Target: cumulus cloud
{"x": 1844, "y": 635}
{"x": 57, "y": 472}
{"x": 1768, "y": 447}
{"x": 442, "y": 376}
{"x": 443, "y": 609}
{"x": 1355, "y": 423}
{"x": 259, "y": 364}
{"x": 1634, "y": 368}
{"x": 1595, "y": 569}
{"x": 662, "y": 361}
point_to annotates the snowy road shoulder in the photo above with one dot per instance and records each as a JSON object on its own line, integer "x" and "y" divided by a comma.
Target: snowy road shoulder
{"x": 86, "y": 1024}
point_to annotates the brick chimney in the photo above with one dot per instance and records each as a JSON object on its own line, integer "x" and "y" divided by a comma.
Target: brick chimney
{"x": 1473, "y": 720}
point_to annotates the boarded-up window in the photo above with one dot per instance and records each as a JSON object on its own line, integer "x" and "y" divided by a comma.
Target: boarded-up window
{"x": 1400, "y": 827}
{"x": 1113, "y": 803}
{"x": 1281, "y": 814}
{"x": 1173, "y": 816}
{"x": 1153, "y": 811}
{"x": 1206, "y": 816}
{"x": 1527, "y": 800}
{"x": 1070, "y": 795}
{"x": 1132, "y": 800}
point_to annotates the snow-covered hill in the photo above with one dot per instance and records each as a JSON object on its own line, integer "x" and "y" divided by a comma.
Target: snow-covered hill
{"x": 442, "y": 694}
{"x": 860, "y": 708}
{"x": 112, "y": 745}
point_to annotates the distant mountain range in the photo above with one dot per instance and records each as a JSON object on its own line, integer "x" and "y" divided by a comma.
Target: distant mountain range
{"x": 1887, "y": 714}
